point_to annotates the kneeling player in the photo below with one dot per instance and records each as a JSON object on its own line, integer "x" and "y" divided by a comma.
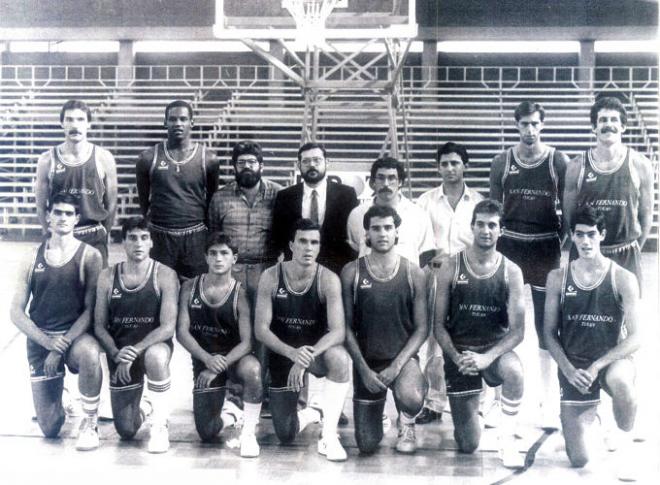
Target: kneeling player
{"x": 479, "y": 320}
{"x": 386, "y": 319}
{"x": 59, "y": 282}
{"x": 300, "y": 319}
{"x": 590, "y": 305}
{"x": 214, "y": 325}
{"x": 135, "y": 317}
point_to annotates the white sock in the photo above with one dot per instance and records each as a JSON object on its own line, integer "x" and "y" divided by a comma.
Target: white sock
{"x": 251, "y": 412}
{"x": 406, "y": 419}
{"x": 307, "y": 416}
{"x": 334, "y": 396}
{"x": 90, "y": 406}
{"x": 549, "y": 383}
{"x": 160, "y": 400}
{"x": 315, "y": 390}
{"x": 510, "y": 408}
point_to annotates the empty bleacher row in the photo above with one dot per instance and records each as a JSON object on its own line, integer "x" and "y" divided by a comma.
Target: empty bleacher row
{"x": 248, "y": 102}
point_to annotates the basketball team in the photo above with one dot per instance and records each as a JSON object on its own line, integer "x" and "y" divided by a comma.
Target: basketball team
{"x": 265, "y": 286}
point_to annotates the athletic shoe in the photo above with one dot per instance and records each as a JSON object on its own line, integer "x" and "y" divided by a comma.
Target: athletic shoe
{"x": 428, "y": 416}
{"x": 231, "y": 415}
{"x": 159, "y": 439}
{"x": 627, "y": 466}
{"x": 406, "y": 442}
{"x": 387, "y": 423}
{"x": 509, "y": 454}
{"x": 72, "y": 407}
{"x": 332, "y": 449}
{"x": 88, "y": 436}
{"x": 146, "y": 408}
{"x": 249, "y": 445}
{"x": 307, "y": 416}
{"x": 493, "y": 414}
{"x": 343, "y": 419}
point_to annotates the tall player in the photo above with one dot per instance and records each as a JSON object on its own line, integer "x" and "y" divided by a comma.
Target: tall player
{"x": 176, "y": 180}
{"x": 215, "y": 326}
{"x": 300, "y": 319}
{"x": 58, "y": 283}
{"x": 479, "y": 320}
{"x": 134, "y": 319}
{"x": 386, "y": 323}
{"x": 84, "y": 170}
{"x": 529, "y": 181}
{"x": 589, "y": 304}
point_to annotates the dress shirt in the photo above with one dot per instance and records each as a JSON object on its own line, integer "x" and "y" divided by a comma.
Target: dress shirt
{"x": 321, "y": 190}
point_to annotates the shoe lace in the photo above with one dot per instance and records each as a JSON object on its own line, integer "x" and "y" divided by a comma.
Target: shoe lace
{"x": 407, "y": 433}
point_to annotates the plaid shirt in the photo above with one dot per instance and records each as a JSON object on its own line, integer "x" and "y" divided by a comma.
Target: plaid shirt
{"x": 249, "y": 227}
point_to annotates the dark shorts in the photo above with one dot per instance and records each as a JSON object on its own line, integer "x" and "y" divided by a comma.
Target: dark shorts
{"x": 97, "y": 237}
{"x": 220, "y": 382}
{"x": 138, "y": 371}
{"x": 360, "y": 392}
{"x": 459, "y": 385}
{"x": 569, "y": 395}
{"x": 628, "y": 257}
{"x": 279, "y": 367}
{"x": 536, "y": 257}
{"x": 182, "y": 250}
{"x": 36, "y": 355}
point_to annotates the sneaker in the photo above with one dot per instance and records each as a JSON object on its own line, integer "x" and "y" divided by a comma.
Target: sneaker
{"x": 159, "y": 439}
{"x": 343, "y": 419}
{"x": 72, "y": 406}
{"x": 332, "y": 449}
{"x": 307, "y": 416}
{"x": 493, "y": 414}
{"x": 231, "y": 415}
{"x": 627, "y": 465}
{"x": 428, "y": 416}
{"x": 249, "y": 445}
{"x": 510, "y": 456}
{"x": 406, "y": 442}
{"x": 146, "y": 408}
{"x": 387, "y": 423}
{"x": 88, "y": 436}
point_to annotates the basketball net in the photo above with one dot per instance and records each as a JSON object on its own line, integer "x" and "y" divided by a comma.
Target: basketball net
{"x": 310, "y": 17}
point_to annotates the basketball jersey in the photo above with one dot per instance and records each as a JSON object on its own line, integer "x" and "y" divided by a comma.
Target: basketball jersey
{"x": 530, "y": 195}
{"x": 177, "y": 198}
{"x": 81, "y": 180}
{"x": 135, "y": 312}
{"x": 592, "y": 317}
{"x": 58, "y": 292}
{"x": 299, "y": 318}
{"x": 214, "y": 326}
{"x": 615, "y": 194}
{"x": 478, "y": 305}
{"x": 383, "y": 310}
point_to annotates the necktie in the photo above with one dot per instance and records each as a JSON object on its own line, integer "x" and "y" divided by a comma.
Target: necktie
{"x": 314, "y": 207}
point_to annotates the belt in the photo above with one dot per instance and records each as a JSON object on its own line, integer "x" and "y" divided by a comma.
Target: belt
{"x": 619, "y": 248}
{"x": 178, "y": 231}
{"x": 80, "y": 230}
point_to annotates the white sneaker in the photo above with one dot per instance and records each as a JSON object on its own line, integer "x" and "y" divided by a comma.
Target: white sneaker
{"x": 249, "y": 445}
{"x": 72, "y": 406}
{"x": 307, "y": 416}
{"x": 509, "y": 454}
{"x": 146, "y": 408}
{"x": 231, "y": 415}
{"x": 406, "y": 441}
{"x": 493, "y": 414}
{"x": 159, "y": 438}
{"x": 627, "y": 465}
{"x": 88, "y": 436}
{"x": 332, "y": 449}
{"x": 387, "y": 423}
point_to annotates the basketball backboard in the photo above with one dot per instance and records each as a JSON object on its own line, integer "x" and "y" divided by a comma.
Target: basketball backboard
{"x": 351, "y": 19}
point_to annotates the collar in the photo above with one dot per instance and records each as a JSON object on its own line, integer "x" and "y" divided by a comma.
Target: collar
{"x": 238, "y": 190}
{"x": 467, "y": 192}
{"x": 321, "y": 189}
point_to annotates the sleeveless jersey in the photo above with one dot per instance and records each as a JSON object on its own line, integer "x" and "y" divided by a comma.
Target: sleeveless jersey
{"x": 214, "y": 327}
{"x": 177, "y": 198}
{"x": 383, "y": 310}
{"x": 478, "y": 305}
{"x": 58, "y": 292}
{"x": 592, "y": 317}
{"x": 615, "y": 194}
{"x": 299, "y": 318}
{"x": 82, "y": 181}
{"x": 530, "y": 195}
{"x": 134, "y": 313}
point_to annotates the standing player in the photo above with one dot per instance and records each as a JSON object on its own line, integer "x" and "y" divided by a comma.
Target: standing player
{"x": 616, "y": 180}
{"x": 528, "y": 179}
{"x": 589, "y": 304}
{"x": 479, "y": 320}
{"x": 84, "y": 170}
{"x": 134, "y": 319}
{"x": 386, "y": 323}
{"x": 58, "y": 283}
{"x": 300, "y": 319}
{"x": 215, "y": 326}
{"x": 176, "y": 180}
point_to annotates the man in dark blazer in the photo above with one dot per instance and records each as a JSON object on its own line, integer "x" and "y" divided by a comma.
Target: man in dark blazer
{"x": 331, "y": 205}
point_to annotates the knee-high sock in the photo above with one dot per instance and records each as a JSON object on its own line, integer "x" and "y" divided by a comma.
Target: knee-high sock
{"x": 90, "y": 406}
{"x": 334, "y": 395}
{"x": 251, "y": 412}
{"x": 510, "y": 408}
{"x": 160, "y": 400}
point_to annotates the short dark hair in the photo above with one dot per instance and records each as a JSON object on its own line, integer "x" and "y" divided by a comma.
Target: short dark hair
{"x": 217, "y": 238}
{"x": 179, "y": 103}
{"x": 528, "y": 108}
{"x": 380, "y": 211}
{"x": 64, "y": 198}
{"x": 487, "y": 206}
{"x": 310, "y": 146}
{"x": 608, "y": 102}
{"x": 304, "y": 224}
{"x": 246, "y": 147}
{"x": 451, "y": 147}
{"x": 131, "y": 223}
{"x": 388, "y": 162}
{"x": 588, "y": 216}
{"x": 75, "y": 104}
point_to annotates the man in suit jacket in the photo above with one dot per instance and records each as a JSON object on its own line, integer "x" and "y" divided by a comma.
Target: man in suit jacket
{"x": 331, "y": 205}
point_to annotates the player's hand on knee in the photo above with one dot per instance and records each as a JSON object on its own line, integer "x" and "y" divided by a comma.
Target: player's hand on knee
{"x": 372, "y": 381}
{"x": 59, "y": 344}
{"x": 296, "y": 380}
{"x": 466, "y": 365}
{"x": 123, "y": 374}
{"x": 217, "y": 364}
{"x": 52, "y": 363}
{"x": 205, "y": 378}
{"x": 387, "y": 375}
{"x": 127, "y": 355}
{"x": 304, "y": 356}
{"x": 580, "y": 379}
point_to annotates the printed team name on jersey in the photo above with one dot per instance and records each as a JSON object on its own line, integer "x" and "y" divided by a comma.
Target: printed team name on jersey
{"x": 59, "y": 168}
{"x": 570, "y": 291}
{"x": 591, "y": 177}
{"x": 133, "y": 322}
{"x": 462, "y": 279}
{"x": 590, "y": 320}
{"x": 196, "y": 303}
{"x": 163, "y": 165}
{"x": 514, "y": 170}
{"x": 40, "y": 268}
{"x": 298, "y": 322}
{"x": 80, "y": 191}
{"x": 207, "y": 329}
{"x": 281, "y": 293}
{"x": 478, "y": 310}
{"x": 365, "y": 283}
{"x": 606, "y": 205}
{"x": 530, "y": 194}
{"x": 116, "y": 293}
